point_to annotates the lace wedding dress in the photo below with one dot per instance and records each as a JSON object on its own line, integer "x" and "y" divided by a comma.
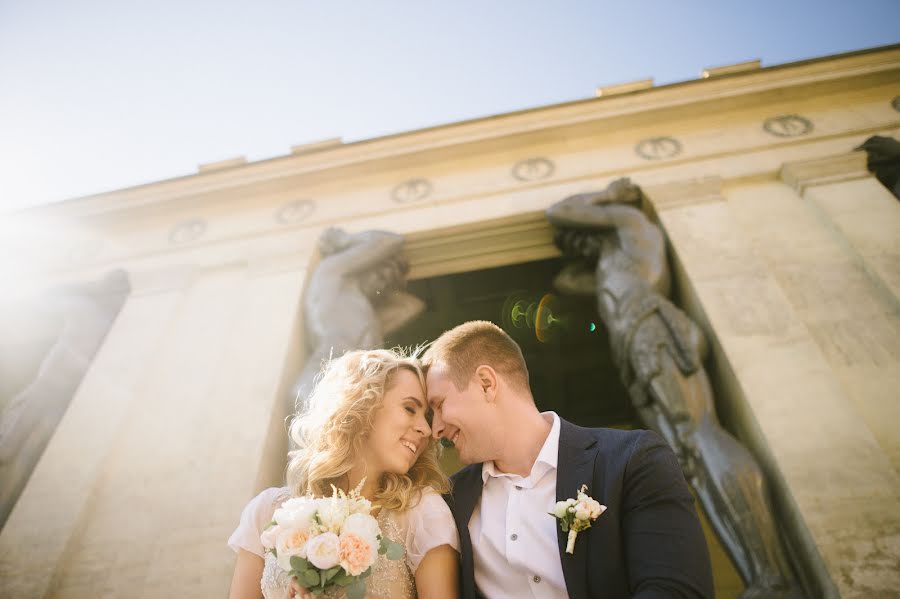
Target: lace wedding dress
{"x": 419, "y": 529}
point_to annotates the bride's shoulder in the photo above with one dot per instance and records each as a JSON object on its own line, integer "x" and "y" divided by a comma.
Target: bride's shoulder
{"x": 429, "y": 504}
{"x": 429, "y": 524}
{"x": 268, "y": 500}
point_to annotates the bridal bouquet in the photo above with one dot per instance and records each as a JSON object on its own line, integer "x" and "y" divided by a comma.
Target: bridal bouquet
{"x": 327, "y": 542}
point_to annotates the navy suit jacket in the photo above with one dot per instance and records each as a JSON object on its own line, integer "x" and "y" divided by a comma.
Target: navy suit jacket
{"x": 648, "y": 543}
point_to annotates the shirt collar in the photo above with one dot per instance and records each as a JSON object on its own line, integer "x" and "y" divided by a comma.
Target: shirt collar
{"x": 547, "y": 456}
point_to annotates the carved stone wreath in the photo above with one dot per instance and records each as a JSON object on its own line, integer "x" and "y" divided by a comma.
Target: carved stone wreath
{"x": 295, "y": 211}
{"x": 414, "y": 190}
{"x": 787, "y": 125}
{"x": 658, "y": 148}
{"x": 187, "y": 231}
{"x": 533, "y": 169}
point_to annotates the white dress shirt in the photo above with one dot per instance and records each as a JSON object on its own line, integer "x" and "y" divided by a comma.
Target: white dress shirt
{"x": 513, "y": 535}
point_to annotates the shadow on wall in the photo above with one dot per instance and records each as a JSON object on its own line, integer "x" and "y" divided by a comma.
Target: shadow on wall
{"x": 46, "y": 347}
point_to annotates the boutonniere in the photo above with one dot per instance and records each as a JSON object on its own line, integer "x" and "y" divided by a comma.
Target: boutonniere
{"x": 575, "y": 515}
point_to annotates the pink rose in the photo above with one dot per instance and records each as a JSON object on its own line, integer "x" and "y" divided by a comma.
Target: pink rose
{"x": 356, "y": 554}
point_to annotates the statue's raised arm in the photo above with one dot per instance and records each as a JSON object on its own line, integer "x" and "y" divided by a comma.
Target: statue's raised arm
{"x": 355, "y": 295}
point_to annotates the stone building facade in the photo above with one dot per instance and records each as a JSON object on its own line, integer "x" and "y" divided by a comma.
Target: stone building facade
{"x": 785, "y": 250}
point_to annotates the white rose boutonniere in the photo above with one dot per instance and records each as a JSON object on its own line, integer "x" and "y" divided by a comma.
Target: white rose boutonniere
{"x": 575, "y": 515}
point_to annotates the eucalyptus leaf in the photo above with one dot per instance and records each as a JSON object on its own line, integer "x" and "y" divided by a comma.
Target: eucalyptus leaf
{"x": 300, "y": 564}
{"x": 311, "y": 578}
{"x": 330, "y": 573}
{"x": 395, "y": 551}
{"x": 382, "y": 546}
{"x": 357, "y": 590}
{"x": 343, "y": 580}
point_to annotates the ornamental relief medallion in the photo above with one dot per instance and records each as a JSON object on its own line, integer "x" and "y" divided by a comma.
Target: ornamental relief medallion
{"x": 658, "y": 148}
{"x": 414, "y": 190}
{"x": 787, "y": 125}
{"x": 187, "y": 231}
{"x": 294, "y": 212}
{"x": 533, "y": 169}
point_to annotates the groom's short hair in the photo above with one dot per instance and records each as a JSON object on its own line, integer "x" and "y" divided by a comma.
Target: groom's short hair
{"x": 469, "y": 345}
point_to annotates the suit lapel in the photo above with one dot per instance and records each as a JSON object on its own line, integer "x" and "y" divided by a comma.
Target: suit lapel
{"x": 466, "y": 493}
{"x": 575, "y": 467}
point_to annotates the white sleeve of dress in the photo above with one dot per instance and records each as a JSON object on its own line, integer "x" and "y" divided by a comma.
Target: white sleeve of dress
{"x": 430, "y": 525}
{"x": 254, "y": 519}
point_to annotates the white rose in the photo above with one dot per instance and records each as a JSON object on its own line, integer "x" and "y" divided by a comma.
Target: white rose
{"x": 582, "y": 514}
{"x": 290, "y": 542}
{"x": 560, "y": 509}
{"x": 297, "y": 512}
{"x": 332, "y": 513}
{"x": 364, "y": 526}
{"x": 597, "y": 510}
{"x": 323, "y": 551}
{"x": 267, "y": 538}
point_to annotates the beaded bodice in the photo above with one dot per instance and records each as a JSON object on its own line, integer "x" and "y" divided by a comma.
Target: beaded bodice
{"x": 390, "y": 579}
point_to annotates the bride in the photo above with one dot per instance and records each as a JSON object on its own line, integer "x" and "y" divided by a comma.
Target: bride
{"x": 367, "y": 419}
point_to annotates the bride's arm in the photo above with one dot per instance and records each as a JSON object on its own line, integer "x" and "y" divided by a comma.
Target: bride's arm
{"x": 437, "y": 576}
{"x": 248, "y": 570}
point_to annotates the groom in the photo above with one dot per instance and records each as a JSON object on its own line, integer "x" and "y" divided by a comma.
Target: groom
{"x": 647, "y": 544}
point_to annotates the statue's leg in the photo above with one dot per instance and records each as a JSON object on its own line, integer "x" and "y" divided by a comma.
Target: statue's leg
{"x": 724, "y": 474}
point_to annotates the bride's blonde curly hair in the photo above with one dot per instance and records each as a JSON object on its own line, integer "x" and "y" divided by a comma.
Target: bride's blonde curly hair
{"x": 330, "y": 430}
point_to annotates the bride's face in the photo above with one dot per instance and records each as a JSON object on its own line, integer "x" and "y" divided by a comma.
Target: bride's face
{"x": 400, "y": 432}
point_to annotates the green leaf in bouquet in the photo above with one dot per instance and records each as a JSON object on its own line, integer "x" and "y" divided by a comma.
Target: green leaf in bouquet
{"x": 311, "y": 578}
{"x": 395, "y": 551}
{"x": 330, "y": 573}
{"x": 343, "y": 580}
{"x": 357, "y": 590}
{"x": 382, "y": 545}
{"x": 300, "y": 564}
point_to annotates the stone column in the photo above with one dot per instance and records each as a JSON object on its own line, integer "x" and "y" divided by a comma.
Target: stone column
{"x": 178, "y": 422}
{"x": 758, "y": 268}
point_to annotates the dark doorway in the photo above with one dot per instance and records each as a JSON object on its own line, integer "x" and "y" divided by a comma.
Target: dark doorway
{"x": 565, "y": 347}
{"x": 563, "y": 340}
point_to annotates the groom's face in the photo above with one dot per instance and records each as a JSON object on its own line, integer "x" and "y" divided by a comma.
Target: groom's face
{"x": 458, "y": 414}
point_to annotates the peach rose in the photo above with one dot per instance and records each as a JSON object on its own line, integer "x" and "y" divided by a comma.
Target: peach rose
{"x": 267, "y": 538}
{"x": 356, "y": 554}
{"x": 289, "y": 543}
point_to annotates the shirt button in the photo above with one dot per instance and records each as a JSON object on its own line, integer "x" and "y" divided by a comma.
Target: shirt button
{"x": 518, "y": 487}
{"x": 536, "y": 579}
{"x": 513, "y": 536}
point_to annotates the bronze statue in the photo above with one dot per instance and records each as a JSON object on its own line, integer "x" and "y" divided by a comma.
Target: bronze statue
{"x": 883, "y": 161}
{"x": 48, "y": 345}
{"x": 620, "y": 257}
{"x": 354, "y": 297}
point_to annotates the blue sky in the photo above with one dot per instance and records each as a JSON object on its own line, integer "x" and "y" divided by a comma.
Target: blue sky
{"x": 100, "y": 94}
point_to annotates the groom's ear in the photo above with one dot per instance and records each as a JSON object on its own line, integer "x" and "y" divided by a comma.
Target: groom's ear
{"x": 486, "y": 378}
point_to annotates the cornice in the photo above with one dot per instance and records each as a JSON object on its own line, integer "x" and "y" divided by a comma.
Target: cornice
{"x": 580, "y": 112}
{"x": 485, "y": 244}
{"x": 684, "y": 193}
{"x": 822, "y": 171}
